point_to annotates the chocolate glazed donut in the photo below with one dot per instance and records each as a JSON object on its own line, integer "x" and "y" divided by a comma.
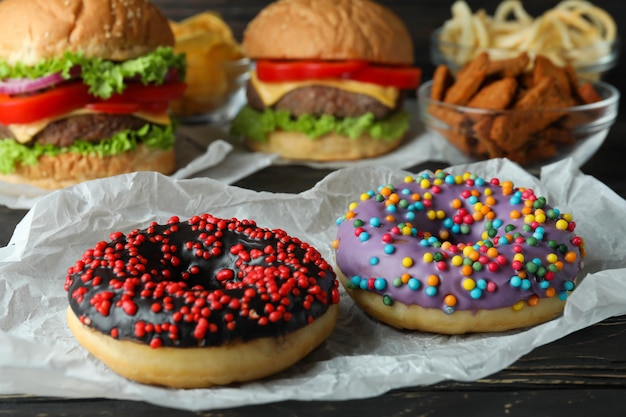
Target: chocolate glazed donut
{"x": 178, "y": 297}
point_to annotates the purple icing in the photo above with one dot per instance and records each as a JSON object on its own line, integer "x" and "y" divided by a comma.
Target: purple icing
{"x": 373, "y": 253}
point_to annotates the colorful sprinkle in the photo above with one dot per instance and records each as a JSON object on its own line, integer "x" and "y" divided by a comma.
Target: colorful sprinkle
{"x": 466, "y": 238}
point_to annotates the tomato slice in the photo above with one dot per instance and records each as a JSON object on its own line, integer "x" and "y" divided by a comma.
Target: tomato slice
{"x": 403, "y": 77}
{"x": 118, "y": 107}
{"x": 68, "y": 97}
{"x": 155, "y": 106}
{"x": 114, "y": 108}
{"x": 276, "y": 71}
{"x": 149, "y": 93}
{"x": 399, "y": 77}
{"x": 50, "y": 103}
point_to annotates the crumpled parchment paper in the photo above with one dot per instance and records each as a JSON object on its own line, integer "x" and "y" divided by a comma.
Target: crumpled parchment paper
{"x": 361, "y": 358}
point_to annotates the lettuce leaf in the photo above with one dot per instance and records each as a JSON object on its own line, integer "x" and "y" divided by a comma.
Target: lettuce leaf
{"x": 256, "y": 124}
{"x": 103, "y": 77}
{"x": 13, "y": 153}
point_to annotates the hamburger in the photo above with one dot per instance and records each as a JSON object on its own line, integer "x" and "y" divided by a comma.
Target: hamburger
{"x": 84, "y": 91}
{"x": 329, "y": 82}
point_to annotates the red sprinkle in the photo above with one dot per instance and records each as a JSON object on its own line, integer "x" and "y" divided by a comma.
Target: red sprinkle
{"x": 151, "y": 268}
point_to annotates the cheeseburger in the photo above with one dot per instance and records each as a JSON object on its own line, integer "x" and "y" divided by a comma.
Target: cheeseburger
{"x": 329, "y": 81}
{"x": 84, "y": 91}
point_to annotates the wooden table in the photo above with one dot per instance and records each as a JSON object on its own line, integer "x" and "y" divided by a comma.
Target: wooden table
{"x": 582, "y": 374}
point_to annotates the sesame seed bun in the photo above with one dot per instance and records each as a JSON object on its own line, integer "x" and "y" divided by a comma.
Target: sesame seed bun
{"x": 111, "y": 29}
{"x": 329, "y": 30}
{"x": 64, "y": 170}
{"x": 330, "y": 147}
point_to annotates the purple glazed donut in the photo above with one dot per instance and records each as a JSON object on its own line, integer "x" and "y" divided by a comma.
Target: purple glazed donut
{"x": 457, "y": 254}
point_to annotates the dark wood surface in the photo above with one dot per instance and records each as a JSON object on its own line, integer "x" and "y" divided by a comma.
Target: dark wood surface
{"x": 582, "y": 374}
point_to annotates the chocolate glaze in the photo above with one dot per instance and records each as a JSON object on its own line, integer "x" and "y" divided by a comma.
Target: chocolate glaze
{"x": 206, "y": 282}
{"x": 354, "y": 254}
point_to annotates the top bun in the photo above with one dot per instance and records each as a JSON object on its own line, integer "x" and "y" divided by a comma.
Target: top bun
{"x": 118, "y": 30}
{"x": 329, "y": 30}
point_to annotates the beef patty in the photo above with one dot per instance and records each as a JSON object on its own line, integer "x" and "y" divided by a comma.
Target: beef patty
{"x": 88, "y": 127}
{"x": 318, "y": 100}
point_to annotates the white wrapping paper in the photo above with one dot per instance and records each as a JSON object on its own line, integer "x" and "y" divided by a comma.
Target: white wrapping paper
{"x": 361, "y": 358}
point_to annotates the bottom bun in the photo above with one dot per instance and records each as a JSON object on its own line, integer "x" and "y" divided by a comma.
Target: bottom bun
{"x": 54, "y": 172}
{"x": 434, "y": 320}
{"x": 330, "y": 147}
{"x": 199, "y": 367}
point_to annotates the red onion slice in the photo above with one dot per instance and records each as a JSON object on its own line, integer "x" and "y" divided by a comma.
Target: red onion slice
{"x": 12, "y": 86}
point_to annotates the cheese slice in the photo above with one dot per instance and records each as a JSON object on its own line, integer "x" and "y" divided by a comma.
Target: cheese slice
{"x": 270, "y": 93}
{"x": 23, "y": 133}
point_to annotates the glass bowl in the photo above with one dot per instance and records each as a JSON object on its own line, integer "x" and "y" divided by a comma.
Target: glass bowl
{"x": 532, "y": 138}
{"x": 590, "y": 62}
{"x": 215, "y": 93}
